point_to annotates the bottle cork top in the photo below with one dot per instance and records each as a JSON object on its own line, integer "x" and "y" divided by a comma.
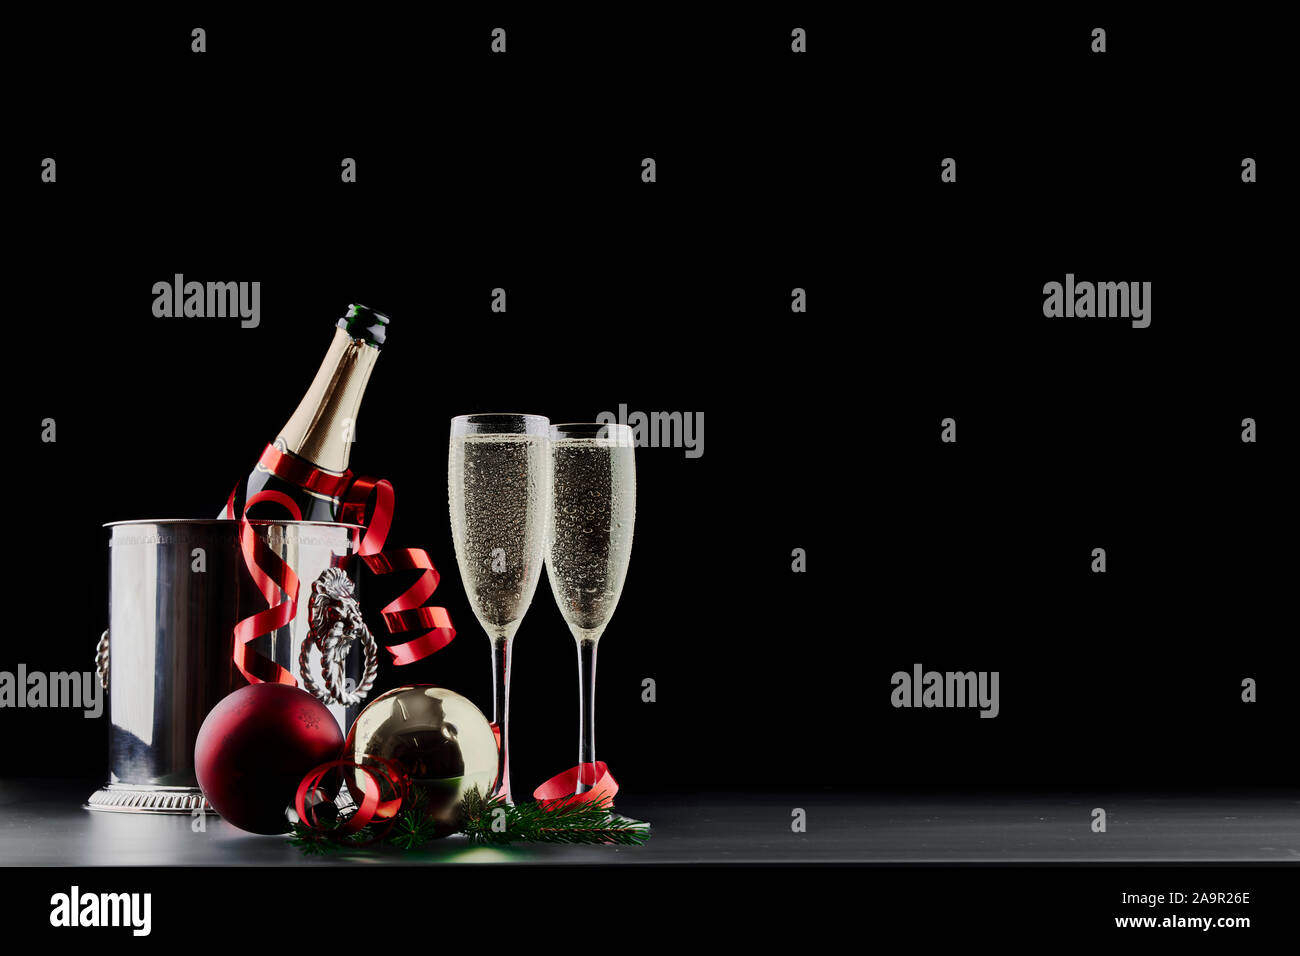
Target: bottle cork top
{"x": 364, "y": 323}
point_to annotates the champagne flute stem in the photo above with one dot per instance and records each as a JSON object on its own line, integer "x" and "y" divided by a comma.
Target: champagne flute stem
{"x": 501, "y": 712}
{"x": 587, "y": 715}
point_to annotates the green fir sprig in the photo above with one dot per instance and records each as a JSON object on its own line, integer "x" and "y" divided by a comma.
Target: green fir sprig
{"x": 486, "y": 822}
{"x": 314, "y": 842}
{"x": 321, "y": 842}
{"x": 414, "y": 827}
{"x": 497, "y": 823}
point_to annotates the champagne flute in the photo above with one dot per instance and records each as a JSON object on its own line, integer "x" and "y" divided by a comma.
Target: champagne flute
{"x": 497, "y": 491}
{"x": 588, "y": 545}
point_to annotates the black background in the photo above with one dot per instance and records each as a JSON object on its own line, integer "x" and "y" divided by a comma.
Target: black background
{"x": 822, "y": 430}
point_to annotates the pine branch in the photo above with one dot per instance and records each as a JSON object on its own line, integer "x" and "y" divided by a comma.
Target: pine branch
{"x": 412, "y": 830}
{"x": 313, "y": 842}
{"x": 497, "y": 823}
{"x": 490, "y": 822}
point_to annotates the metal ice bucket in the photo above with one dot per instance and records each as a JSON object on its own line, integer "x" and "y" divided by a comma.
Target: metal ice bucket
{"x": 166, "y": 658}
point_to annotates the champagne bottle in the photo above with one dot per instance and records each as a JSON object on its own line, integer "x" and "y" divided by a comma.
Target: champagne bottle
{"x": 308, "y": 461}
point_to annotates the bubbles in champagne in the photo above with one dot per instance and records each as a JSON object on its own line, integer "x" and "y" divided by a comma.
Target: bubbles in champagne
{"x": 497, "y": 492}
{"x": 589, "y": 538}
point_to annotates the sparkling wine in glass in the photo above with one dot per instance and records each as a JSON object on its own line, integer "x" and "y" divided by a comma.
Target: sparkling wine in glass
{"x": 497, "y": 489}
{"x": 588, "y": 546}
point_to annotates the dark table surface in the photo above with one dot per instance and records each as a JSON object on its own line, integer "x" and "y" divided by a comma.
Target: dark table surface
{"x": 42, "y": 823}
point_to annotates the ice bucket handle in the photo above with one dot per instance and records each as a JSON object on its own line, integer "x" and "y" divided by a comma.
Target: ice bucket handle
{"x": 101, "y": 659}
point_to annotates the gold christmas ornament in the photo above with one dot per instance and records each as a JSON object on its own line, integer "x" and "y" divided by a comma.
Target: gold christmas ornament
{"x": 437, "y": 738}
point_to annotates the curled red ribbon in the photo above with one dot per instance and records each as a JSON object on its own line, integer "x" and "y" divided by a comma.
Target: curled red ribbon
{"x": 559, "y": 790}
{"x": 272, "y": 576}
{"x": 404, "y": 614}
{"x": 370, "y": 807}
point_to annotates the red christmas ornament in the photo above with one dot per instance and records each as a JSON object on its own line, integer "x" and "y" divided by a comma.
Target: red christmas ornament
{"x": 256, "y": 746}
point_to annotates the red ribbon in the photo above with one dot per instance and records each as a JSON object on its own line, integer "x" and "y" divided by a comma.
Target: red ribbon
{"x": 406, "y": 612}
{"x": 559, "y": 790}
{"x": 272, "y": 576}
{"x": 299, "y": 471}
{"x": 369, "y": 808}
